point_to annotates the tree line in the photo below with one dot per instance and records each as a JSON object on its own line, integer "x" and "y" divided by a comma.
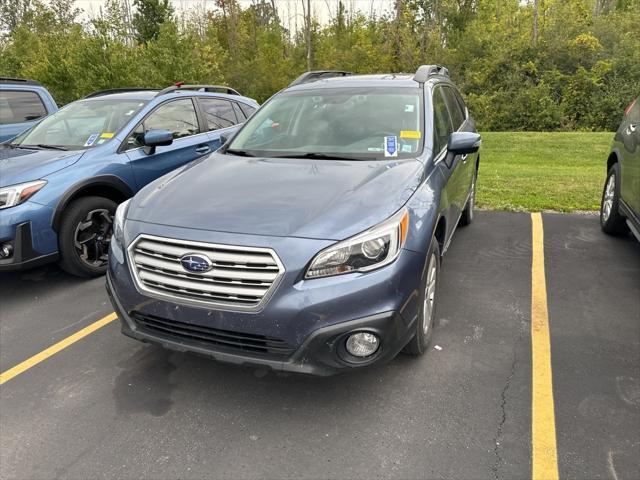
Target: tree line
{"x": 521, "y": 65}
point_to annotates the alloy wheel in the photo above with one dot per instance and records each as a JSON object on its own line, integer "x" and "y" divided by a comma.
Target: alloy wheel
{"x": 609, "y": 193}
{"x": 92, "y": 237}
{"x": 430, "y": 293}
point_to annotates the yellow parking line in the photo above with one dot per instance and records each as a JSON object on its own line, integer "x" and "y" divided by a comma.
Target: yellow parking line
{"x": 53, "y": 349}
{"x": 544, "y": 457}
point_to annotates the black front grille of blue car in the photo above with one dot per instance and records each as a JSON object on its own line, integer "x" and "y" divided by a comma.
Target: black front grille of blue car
{"x": 211, "y": 337}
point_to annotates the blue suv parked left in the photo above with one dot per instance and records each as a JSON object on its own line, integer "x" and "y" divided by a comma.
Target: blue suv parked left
{"x": 22, "y": 103}
{"x": 61, "y": 180}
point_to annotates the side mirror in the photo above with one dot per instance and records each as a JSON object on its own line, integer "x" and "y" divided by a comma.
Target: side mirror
{"x": 463, "y": 143}
{"x": 156, "y": 138}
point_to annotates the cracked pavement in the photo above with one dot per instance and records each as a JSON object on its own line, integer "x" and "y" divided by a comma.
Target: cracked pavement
{"x": 108, "y": 406}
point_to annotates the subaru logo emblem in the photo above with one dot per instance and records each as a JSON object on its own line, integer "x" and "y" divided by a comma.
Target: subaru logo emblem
{"x": 193, "y": 262}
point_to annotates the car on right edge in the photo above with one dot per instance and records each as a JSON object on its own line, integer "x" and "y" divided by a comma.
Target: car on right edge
{"x": 311, "y": 241}
{"x": 620, "y": 206}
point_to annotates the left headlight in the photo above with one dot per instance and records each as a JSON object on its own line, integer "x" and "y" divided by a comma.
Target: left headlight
{"x": 368, "y": 250}
{"x": 118, "y": 222}
{"x": 16, "y": 194}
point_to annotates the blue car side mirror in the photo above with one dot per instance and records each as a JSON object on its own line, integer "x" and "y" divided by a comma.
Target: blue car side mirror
{"x": 462, "y": 143}
{"x": 156, "y": 138}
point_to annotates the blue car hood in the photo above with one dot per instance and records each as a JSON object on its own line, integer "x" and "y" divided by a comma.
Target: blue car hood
{"x": 19, "y": 165}
{"x": 322, "y": 199}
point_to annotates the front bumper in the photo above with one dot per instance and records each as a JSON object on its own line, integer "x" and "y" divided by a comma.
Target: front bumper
{"x": 303, "y": 325}
{"x": 320, "y": 354}
{"x": 23, "y": 255}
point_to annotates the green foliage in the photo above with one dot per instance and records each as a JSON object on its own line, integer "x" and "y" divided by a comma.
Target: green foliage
{"x": 581, "y": 72}
{"x": 149, "y": 17}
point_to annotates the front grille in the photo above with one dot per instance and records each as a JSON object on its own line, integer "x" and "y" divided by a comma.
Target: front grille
{"x": 205, "y": 336}
{"x": 242, "y": 277}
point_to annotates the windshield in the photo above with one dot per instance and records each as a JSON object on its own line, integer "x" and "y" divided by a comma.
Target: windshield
{"x": 353, "y": 123}
{"x": 80, "y": 125}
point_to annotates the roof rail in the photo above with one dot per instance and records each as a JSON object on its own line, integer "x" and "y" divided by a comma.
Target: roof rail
{"x": 425, "y": 71}
{"x": 109, "y": 91}
{"x": 19, "y": 80}
{"x": 315, "y": 75}
{"x": 204, "y": 88}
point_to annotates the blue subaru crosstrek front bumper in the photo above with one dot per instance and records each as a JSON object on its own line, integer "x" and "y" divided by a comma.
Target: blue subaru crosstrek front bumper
{"x": 302, "y": 325}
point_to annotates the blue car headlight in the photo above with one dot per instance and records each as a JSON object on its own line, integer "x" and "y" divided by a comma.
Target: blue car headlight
{"x": 366, "y": 251}
{"x": 16, "y": 194}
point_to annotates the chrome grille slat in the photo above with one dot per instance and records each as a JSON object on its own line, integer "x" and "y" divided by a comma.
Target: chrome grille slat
{"x": 216, "y": 255}
{"x": 223, "y": 266}
{"x": 159, "y": 263}
{"x": 241, "y": 278}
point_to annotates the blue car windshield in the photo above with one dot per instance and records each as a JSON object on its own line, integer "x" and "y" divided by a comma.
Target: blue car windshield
{"x": 351, "y": 123}
{"x": 82, "y": 124}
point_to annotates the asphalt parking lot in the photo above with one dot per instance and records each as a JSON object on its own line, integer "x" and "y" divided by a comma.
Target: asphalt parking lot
{"x": 107, "y": 406}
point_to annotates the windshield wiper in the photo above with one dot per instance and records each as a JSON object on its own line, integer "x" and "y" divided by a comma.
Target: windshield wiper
{"x": 52, "y": 147}
{"x": 39, "y": 146}
{"x": 321, "y": 156}
{"x": 240, "y": 153}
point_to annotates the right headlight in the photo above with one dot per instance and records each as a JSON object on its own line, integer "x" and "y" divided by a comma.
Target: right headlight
{"x": 118, "y": 222}
{"x": 16, "y": 194}
{"x": 368, "y": 250}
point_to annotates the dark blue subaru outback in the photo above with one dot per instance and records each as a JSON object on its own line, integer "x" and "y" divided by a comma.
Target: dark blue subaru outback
{"x": 311, "y": 241}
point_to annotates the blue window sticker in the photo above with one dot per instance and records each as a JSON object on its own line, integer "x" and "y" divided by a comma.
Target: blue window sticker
{"x": 92, "y": 138}
{"x": 391, "y": 146}
{"x": 406, "y": 148}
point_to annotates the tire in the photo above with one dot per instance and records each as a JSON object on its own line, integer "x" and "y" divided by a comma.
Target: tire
{"x": 467, "y": 214}
{"x": 419, "y": 343}
{"x": 610, "y": 219}
{"x": 84, "y": 236}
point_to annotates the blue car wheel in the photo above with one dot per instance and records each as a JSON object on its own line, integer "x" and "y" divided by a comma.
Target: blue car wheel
{"x": 85, "y": 233}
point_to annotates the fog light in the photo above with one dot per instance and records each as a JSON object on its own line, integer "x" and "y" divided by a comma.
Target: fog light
{"x": 6, "y": 250}
{"x": 362, "y": 344}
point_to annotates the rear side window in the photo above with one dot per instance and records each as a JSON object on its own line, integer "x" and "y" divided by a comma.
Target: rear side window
{"x": 241, "y": 116}
{"x": 457, "y": 115}
{"x": 218, "y": 113}
{"x": 17, "y": 106}
{"x": 247, "y": 110}
{"x": 441, "y": 121}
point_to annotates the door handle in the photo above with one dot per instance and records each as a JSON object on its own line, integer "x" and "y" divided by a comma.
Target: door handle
{"x": 632, "y": 127}
{"x": 203, "y": 149}
{"x": 464, "y": 158}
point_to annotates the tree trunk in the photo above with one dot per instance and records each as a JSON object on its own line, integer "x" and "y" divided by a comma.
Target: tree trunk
{"x": 535, "y": 22}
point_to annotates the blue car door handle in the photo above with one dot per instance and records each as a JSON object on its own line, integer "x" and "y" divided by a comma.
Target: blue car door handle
{"x": 202, "y": 149}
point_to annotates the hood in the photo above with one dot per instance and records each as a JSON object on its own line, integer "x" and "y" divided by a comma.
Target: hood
{"x": 19, "y": 165}
{"x": 322, "y": 199}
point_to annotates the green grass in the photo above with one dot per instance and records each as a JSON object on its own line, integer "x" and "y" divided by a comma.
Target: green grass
{"x": 530, "y": 171}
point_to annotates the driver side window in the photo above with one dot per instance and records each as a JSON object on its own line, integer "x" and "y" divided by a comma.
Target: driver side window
{"x": 441, "y": 121}
{"x": 178, "y": 117}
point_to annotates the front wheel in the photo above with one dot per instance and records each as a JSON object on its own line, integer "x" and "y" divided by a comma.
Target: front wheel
{"x": 84, "y": 236}
{"x": 427, "y": 302}
{"x": 610, "y": 219}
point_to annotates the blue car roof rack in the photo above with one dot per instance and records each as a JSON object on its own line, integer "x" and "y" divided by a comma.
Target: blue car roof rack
{"x": 109, "y": 91}
{"x": 315, "y": 75}
{"x": 425, "y": 71}
{"x": 25, "y": 81}
{"x": 204, "y": 88}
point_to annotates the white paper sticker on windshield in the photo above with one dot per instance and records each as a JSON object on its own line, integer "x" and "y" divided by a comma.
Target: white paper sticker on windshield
{"x": 391, "y": 146}
{"x": 408, "y": 108}
{"x": 406, "y": 148}
{"x": 92, "y": 138}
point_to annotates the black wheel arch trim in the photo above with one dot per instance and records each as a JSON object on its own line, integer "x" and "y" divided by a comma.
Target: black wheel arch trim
{"x": 110, "y": 181}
